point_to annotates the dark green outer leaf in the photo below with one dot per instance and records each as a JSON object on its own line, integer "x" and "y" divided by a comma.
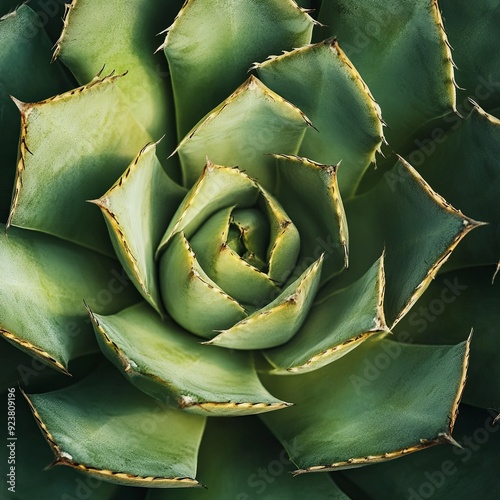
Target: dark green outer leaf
{"x": 32, "y": 456}
{"x": 472, "y": 29}
{"x": 417, "y": 228}
{"x": 462, "y": 165}
{"x": 381, "y": 401}
{"x": 63, "y": 162}
{"x": 108, "y": 429}
{"x": 441, "y": 472}
{"x": 455, "y": 303}
{"x": 241, "y": 460}
{"x": 401, "y": 51}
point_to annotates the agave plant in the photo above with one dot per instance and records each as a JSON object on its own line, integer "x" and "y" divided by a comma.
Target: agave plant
{"x": 239, "y": 224}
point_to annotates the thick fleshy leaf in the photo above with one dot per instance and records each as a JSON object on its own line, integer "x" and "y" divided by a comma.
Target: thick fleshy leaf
{"x": 122, "y": 36}
{"x": 254, "y": 231}
{"x": 463, "y": 167}
{"x": 261, "y": 471}
{"x": 285, "y": 244}
{"x": 321, "y": 81}
{"x": 218, "y": 187}
{"x": 31, "y": 458}
{"x": 401, "y": 51}
{"x": 455, "y": 303}
{"x": 442, "y": 472}
{"x": 380, "y": 402}
{"x": 224, "y": 266}
{"x": 190, "y": 297}
{"x": 24, "y": 59}
{"x": 218, "y": 41}
{"x": 137, "y": 209}
{"x": 277, "y": 322}
{"x": 168, "y": 363}
{"x": 44, "y": 284}
{"x": 335, "y": 326}
{"x": 310, "y": 195}
{"x": 108, "y": 429}
{"x": 63, "y": 161}
{"x": 417, "y": 227}
{"x": 471, "y": 29}
{"x": 243, "y": 130}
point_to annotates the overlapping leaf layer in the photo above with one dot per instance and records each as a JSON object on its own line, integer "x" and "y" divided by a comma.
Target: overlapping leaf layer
{"x": 195, "y": 226}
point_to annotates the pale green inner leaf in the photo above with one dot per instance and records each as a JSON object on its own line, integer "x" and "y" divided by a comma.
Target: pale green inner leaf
{"x": 136, "y": 210}
{"x": 334, "y": 326}
{"x": 243, "y": 131}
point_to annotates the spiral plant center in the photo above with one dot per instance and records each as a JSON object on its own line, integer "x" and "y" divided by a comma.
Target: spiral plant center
{"x": 230, "y": 259}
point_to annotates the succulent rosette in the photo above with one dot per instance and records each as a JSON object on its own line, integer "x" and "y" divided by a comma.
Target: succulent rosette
{"x": 239, "y": 224}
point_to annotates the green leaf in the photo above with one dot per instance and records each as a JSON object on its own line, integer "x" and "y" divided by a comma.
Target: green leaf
{"x": 217, "y": 42}
{"x": 261, "y": 471}
{"x": 471, "y": 29}
{"x": 310, "y": 196}
{"x": 106, "y": 428}
{"x": 32, "y": 456}
{"x": 417, "y": 227}
{"x": 254, "y": 231}
{"x": 63, "y": 161}
{"x": 401, "y": 51}
{"x": 44, "y": 283}
{"x": 250, "y": 124}
{"x": 136, "y": 209}
{"x": 284, "y": 245}
{"x": 441, "y": 472}
{"x": 224, "y": 266}
{"x": 468, "y": 154}
{"x": 169, "y": 364}
{"x": 278, "y": 321}
{"x": 24, "y": 59}
{"x": 218, "y": 187}
{"x": 455, "y": 303}
{"x": 381, "y": 401}
{"x": 321, "y": 81}
{"x": 190, "y": 297}
{"x": 121, "y": 35}
{"x": 335, "y": 326}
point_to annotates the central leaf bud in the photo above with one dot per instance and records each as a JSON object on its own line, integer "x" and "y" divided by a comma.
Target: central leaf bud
{"x": 228, "y": 264}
